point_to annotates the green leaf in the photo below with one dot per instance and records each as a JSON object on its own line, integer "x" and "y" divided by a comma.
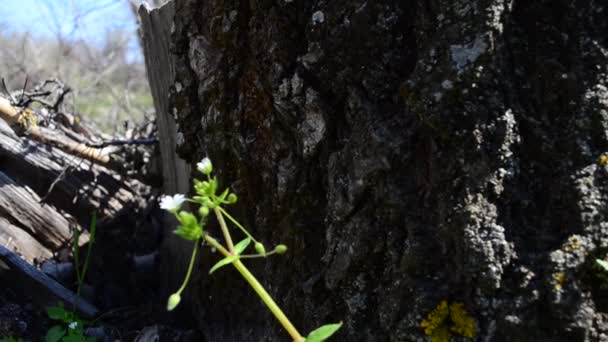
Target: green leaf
{"x": 189, "y": 228}
{"x": 603, "y": 264}
{"x": 323, "y": 333}
{"x": 56, "y": 313}
{"x": 259, "y": 247}
{"x": 212, "y": 187}
{"x": 223, "y": 262}
{"x": 12, "y": 339}
{"x": 192, "y": 233}
{"x": 55, "y": 334}
{"x": 241, "y": 246}
{"x": 73, "y": 338}
{"x": 93, "y": 227}
{"x": 187, "y": 219}
{"x": 223, "y": 195}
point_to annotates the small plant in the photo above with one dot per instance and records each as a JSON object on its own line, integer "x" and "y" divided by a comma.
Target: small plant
{"x": 446, "y": 320}
{"x": 192, "y": 227}
{"x": 80, "y": 274}
{"x": 73, "y": 327}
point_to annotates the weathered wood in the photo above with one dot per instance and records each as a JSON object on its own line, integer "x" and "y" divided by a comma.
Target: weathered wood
{"x": 18, "y": 240}
{"x": 70, "y": 183}
{"x": 155, "y": 27}
{"x": 11, "y": 115}
{"x": 156, "y": 34}
{"x": 39, "y": 180}
{"x": 42, "y": 288}
{"x": 21, "y": 205}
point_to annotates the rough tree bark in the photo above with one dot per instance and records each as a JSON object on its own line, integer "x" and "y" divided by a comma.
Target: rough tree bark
{"x": 407, "y": 152}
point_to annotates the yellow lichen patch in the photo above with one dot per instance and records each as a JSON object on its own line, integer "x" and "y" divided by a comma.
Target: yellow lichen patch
{"x": 572, "y": 244}
{"x": 445, "y": 320}
{"x": 559, "y": 278}
{"x": 436, "y": 318}
{"x": 463, "y": 324}
{"x": 603, "y": 160}
{"x": 27, "y": 119}
{"x": 441, "y": 334}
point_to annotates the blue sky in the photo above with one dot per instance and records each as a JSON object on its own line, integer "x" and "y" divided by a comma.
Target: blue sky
{"x": 75, "y": 19}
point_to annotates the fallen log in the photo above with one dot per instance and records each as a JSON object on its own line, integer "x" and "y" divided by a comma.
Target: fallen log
{"x": 50, "y": 171}
{"x": 17, "y": 239}
{"x": 22, "y": 206}
{"x": 42, "y": 289}
{"x": 11, "y": 115}
{"x": 70, "y": 183}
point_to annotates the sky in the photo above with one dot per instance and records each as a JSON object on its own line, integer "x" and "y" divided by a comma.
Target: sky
{"x": 74, "y": 19}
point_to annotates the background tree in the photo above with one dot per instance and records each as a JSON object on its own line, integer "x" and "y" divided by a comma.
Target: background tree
{"x": 102, "y": 66}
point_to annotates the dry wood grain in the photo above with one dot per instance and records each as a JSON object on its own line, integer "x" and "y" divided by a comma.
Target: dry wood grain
{"x": 21, "y": 205}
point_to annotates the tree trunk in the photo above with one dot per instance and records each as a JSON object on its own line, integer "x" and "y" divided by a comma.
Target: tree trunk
{"x": 407, "y": 152}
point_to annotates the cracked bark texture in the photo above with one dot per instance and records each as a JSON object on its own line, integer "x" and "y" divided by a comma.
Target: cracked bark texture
{"x": 407, "y": 152}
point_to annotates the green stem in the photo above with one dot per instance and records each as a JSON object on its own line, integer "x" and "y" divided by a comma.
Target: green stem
{"x": 225, "y": 231}
{"x": 75, "y": 252}
{"x": 85, "y": 267}
{"x": 213, "y": 242}
{"x": 270, "y": 303}
{"x": 236, "y": 223}
{"x": 255, "y": 284}
{"x": 190, "y": 267}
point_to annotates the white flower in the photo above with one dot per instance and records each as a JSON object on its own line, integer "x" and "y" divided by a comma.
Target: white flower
{"x": 204, "y": 166}
{"x": 172, "y": 203}
{"x": 73, "y": 325}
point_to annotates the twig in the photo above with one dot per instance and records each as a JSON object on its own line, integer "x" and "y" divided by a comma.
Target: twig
{"x": 23, "y": 90}
{"x": 7, "y": 92}
{"x": 60, "y": 177}
{"x": 120, "y": 142}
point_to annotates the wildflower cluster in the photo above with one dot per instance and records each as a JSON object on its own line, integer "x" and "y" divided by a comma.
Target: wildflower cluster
{"x": 193, "y": 227}
{"x": 446, "y": 320}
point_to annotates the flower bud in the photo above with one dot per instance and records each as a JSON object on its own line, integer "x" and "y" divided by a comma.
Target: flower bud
{"x": 231, "y": 199}
{"x": 173, "y": 301}
{"x": 260, "y": 248}
{"x": 280, "y": 249}
{"x": 203, "y": 211}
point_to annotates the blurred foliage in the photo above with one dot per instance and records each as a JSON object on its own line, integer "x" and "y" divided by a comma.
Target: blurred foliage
{"x": 108, "y": 85}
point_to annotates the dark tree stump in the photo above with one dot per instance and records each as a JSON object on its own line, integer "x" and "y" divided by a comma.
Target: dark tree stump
{"x": 407, "y": 152}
